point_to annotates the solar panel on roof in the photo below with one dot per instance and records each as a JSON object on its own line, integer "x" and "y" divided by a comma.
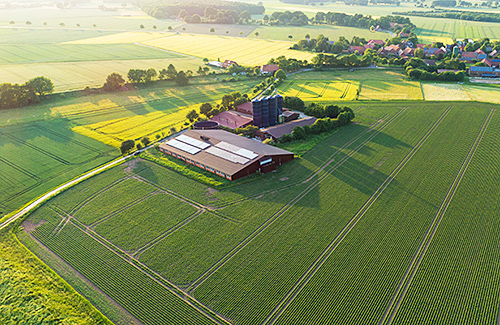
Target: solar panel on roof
{"x": 237, "y": 150}
{"x": 227, "y": 155}
{"x": 194, "y": 142}
{"x": 183, "y": 146}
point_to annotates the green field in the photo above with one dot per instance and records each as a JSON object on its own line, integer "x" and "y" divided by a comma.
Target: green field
{"x": 330, "y": 238}
{"x": 320, "y": 90}
{"x": 45, "y": 145}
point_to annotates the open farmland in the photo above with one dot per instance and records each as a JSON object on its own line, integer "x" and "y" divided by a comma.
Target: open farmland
{"x": 249, "y": 254}
{"x": 372, "y": 84}
{"x": 245, "y": 51}
{"x": 299, "y": 32}
{"x": 320, "y": 90}
{"x": 440, "y": 91}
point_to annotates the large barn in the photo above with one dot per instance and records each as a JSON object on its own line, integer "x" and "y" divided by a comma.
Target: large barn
{"x": 225, "y": 154}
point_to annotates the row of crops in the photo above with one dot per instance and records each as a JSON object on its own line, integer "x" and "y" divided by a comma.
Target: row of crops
{"x": 262, "y": 273}
{"x": 142, "y": 296}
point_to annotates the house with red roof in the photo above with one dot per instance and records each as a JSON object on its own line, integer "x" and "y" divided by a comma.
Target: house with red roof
{"x": 469, "y": 56}
{"x": 228, "y": 63}
{"x": 360, "y": 49}
{"x": 245, "y": 108}
{"x": 233, "y": 119}
{"x": 269, "y": 68}
{"x": 408, "y": 51}
{"x": 376, "y": 41}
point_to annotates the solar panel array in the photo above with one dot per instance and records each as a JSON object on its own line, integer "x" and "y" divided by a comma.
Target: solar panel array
{"x": 194, "y": 142}
{"x": 183, "y": 146}
{"x": 237, "y": 150}
{"x": 227, "y": 155}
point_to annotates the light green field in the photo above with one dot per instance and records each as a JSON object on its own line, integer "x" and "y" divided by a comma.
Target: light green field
{"x": 78, "y": 75}
{"x": 439, "y": 91}
{"x": 332, "y": 32}
{"x": 316, "y": 90}
{"x": 244, "y": 51}
{"x": 38, "y": 53}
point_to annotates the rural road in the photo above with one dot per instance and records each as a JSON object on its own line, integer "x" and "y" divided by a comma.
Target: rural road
{"x": 48, "y": 195}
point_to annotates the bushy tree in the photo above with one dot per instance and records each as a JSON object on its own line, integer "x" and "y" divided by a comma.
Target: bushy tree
{"x": 40, "y": 85}
{"x": 113, "y": 82}
{"x": 181, "y": 79}
{"x": 205, "y": 108}
{"x": 145, "y": 141}
{"x": 192, "y": 115}
{"x": 126, "y": 146}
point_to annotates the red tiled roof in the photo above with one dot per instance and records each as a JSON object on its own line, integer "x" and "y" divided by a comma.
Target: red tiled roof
{"x": 479, "y": 51}
{"x": 360, "y": 49}
{"x": 229, "y": 63}
{"x": 469, "y": 54}
{"x": 270, "y": 68}
{"x": 245, "y": 108}
{"x": 376, "y": 41}
{"x": 232, "y": 119}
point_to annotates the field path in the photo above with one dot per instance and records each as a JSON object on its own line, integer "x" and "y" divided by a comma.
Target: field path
{"x": 396, "y": 300}
{"x": 287, "y": 206}
{"x": 311, "y": 271}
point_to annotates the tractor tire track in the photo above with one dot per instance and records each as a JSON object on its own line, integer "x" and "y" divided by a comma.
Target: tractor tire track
{"x": 284, "y": 209}
{"x": 405, "y": 283}
{"x": 313, "y": 269}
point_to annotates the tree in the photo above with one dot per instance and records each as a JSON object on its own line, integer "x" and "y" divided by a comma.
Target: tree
{"x": 419, "y": 53}
{"x": 77, "y": 25}
{"x": 169, "y": 27}
{"x": 205, "y": 108}
{"x": 212, "y": 30}
{"x": 181, "y": 79}
{"x": 28, "y": 22}
{"x": 145, "y": 141}
{"x": 126, "y": 146}
{"x": 245, "y": 15}
{"x": 62, "y": 24}
{"x": 142, "y": 26}
{"x": 257, "y": 34}
{"x": 294, "y": 103}
{"x": 280, "y": 74}
{"x": 113, "y": 82}
{"x": 290, "y": 36}
{"x": 154, "y": 27}
{"x": 40, "y": 86}
{"x": 136, "y": 76}
{"x": 150, "y": 75}
{"x": 195, "y": 19}
{"x": 298, "y": 133}
{"x": 12, "y": 22}
{"x": 192, "y": 115}
{"x": 171, "y": 72}
{"x": 205, "y": 60}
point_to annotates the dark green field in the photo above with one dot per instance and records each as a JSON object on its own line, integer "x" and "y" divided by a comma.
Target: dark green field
{"x": 355, "y": 231}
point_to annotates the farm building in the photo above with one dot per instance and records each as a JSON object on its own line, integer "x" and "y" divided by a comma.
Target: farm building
{"x": 269, "y": 68}
{"x": 487, "y": 72}
{"x": 267, "y": 110}
{"x": 228, "y": 63}
{"x": 225, "y": 154}
{"x": 245, "y": 108}
{"x": 276, "y": 132}
{"x": 233, "y": 119}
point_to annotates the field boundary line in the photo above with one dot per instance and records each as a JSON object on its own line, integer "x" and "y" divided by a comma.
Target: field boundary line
{"x": 214, "y": 268}
{"x": 91, "y": 197}
{"x": 166, "y": 233}
{"x": 405, "y": 283}
{"x": 207, "y": 312}
{"x": 313, "y": 269}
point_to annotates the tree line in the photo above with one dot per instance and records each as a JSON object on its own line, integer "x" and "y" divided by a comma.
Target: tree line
{"x": 31, "y": 92}
{"x": 457, "y": 14}
{"x": 361, "y": 21}
{"x": 161, "y": 9}
{"x": 329, "y": 117}
{"x": 417, "y": 69}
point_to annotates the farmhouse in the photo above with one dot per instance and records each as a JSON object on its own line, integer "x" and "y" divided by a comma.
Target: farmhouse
{"x": 228, "y": 63}
{"x": 488, "y": 72}
{"x": 269, "y": 68}
{"x": 225, "y": 154}
{"x": 232, "y": 119}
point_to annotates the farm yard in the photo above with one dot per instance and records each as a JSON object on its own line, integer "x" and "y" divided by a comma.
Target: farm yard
{"x": 247, "y": 255}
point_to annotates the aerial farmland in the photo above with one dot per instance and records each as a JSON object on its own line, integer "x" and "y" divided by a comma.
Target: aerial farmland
{"x": 117, "y": 206}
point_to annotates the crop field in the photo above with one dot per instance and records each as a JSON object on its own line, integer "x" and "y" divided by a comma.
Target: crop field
{"x": 446, "y": 92}
{"x": 245, "y": 51}
{"x": 373, "y": 84}
{"x": 35, "y": 53}
{"x": 299, "y": 32}
{"x": 380, "y": 219}
{"x": 320, "y": 90}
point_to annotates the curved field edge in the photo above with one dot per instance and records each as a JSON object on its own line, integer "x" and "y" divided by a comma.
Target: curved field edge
{"x": 33, "y": 292}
